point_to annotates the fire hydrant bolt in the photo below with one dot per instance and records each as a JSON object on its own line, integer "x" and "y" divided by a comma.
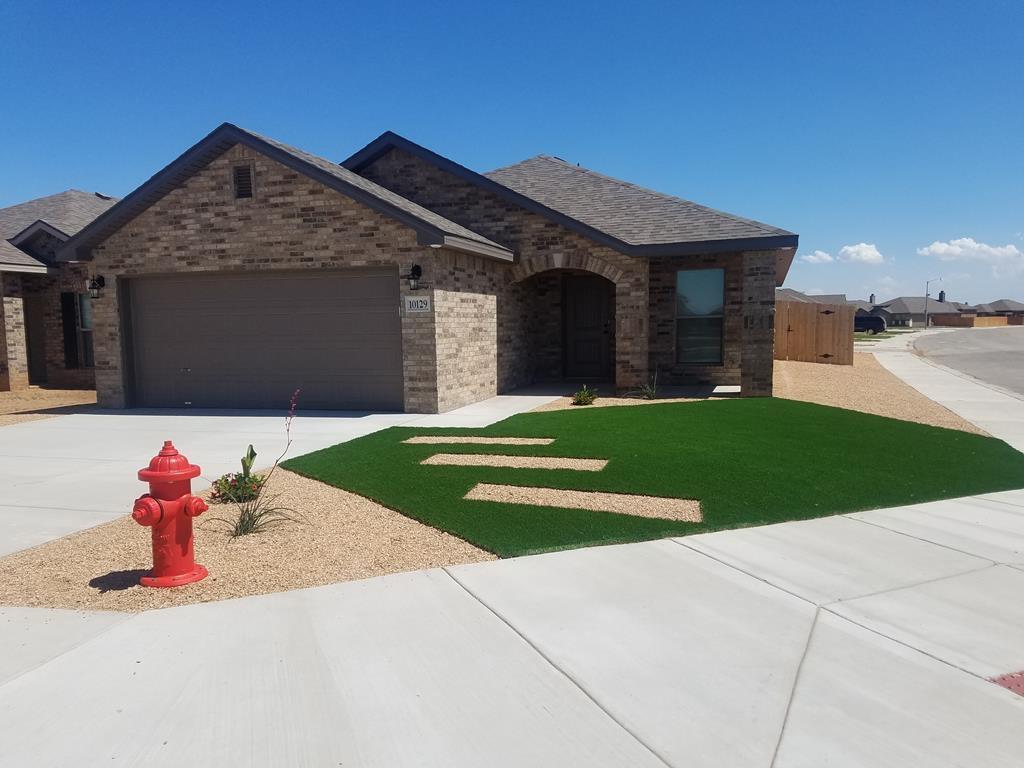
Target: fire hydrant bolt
{"x": 168, "y": 509}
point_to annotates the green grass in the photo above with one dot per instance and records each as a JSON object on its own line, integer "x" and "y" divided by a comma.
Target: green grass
{"x": 749, "y": 462}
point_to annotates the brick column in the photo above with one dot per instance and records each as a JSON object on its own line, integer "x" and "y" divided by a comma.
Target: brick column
{"x": 13, "y": 346}
{"x": 757, "y": 339}
{"x": 632, "y": 329}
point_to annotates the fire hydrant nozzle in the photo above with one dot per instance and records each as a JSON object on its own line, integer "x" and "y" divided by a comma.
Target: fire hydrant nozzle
{"x": 169, "y": 508}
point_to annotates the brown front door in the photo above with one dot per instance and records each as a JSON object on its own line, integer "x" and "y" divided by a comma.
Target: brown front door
{"x": 35, "y": 338}
{"x": 587, "y": 321}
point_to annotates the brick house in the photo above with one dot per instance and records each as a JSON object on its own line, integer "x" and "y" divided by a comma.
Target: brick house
{"x": 400, "y": 280}
{"x": 45, "y": 330}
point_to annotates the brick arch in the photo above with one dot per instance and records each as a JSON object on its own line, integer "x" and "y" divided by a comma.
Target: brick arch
{"x": 587, "y": 263}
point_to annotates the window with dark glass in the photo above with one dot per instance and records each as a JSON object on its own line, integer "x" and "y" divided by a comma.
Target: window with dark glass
{"x": 76, "y": 317}
{"x": 700, "y": 309}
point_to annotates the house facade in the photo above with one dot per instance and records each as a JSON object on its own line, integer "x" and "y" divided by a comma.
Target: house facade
{"x": 45, "y": 322}
{"x": 400, "y": 280}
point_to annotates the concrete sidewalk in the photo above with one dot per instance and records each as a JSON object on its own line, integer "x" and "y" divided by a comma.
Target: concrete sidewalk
{"x": 997, "y": 411}
{"x": 72, "y": 472}
{"x": 860, "y": 640}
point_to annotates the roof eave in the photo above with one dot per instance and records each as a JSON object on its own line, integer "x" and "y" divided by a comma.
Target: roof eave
{"x": 28, "y": 269}
{"x": 466, "y": 245}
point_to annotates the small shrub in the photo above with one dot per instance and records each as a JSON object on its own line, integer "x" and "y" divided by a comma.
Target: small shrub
{"x": 260, "y": 512}
{"x": 585, "y": 395}
{"x": 238, "y": 486}
{"x": 648, "y": 390}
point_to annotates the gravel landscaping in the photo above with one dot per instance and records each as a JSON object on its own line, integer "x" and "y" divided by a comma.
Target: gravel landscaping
{"x": 34, "y": 403}
{"x": 342, "y": 537}
{"x": 865, "y": 386}
{"x": 515, "y": 462}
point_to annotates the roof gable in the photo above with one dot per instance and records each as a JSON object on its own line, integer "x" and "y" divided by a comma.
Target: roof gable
{"x": 599, "y": 207}
{"x": 431, "y": 228}
{"x": 58, "y": 216}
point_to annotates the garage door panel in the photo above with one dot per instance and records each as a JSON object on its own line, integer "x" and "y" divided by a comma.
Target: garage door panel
{"x": 248, "y": 341}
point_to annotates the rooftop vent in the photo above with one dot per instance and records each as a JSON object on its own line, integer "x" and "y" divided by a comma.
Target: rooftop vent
{"x": 243, "y": 181}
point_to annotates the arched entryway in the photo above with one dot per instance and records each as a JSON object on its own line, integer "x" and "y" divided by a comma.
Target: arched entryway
{"x": 567, "y": 327}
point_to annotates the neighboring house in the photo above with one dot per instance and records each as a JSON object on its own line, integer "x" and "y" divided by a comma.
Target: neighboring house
{"x": 45, "y": 331}
{"x": 401, "y": 280}
{"x": 1004, "y": 307}
{"x": 910, "y": 310}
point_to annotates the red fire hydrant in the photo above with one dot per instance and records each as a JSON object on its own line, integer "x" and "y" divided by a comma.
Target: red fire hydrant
{"x": 169, "y": 508}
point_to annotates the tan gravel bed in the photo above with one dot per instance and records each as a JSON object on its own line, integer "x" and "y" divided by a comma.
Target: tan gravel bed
{"x": 686, "y": 510}
{"x": 518, "y": 462}
{"x": 865, "y": 386}
{"x": 35, "y": 403}
{"x": 453, "y": 440}
{"x": 342, "y": 537}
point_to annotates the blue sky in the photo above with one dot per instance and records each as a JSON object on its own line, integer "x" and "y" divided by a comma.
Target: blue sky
{"x": 889, "y": 135}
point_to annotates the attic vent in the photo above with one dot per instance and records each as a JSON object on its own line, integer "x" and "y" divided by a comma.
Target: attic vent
{"x": 243, "y": 181}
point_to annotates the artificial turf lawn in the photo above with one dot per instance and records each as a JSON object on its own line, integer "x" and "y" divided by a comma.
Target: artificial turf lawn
{"x": 748, "y": 461}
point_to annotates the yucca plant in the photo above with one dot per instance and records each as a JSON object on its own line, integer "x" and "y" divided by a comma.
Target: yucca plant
{"x": 261, "y": 512}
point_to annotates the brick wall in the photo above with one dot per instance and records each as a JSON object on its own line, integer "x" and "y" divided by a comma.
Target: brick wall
{"x": 758, "y": 323}
{"x": 466, "y": 318}
{"x": 13, "y": 352}
{"x": 540, "y": 245}
{"x": 292, "y": 223}
{"x": 47, "y": 289}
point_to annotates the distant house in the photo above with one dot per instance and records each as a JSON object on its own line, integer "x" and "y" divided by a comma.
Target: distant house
{"x": 1001, "y": 307}
{"x": 911, "y": 310}
{"x": 45, "y": 325}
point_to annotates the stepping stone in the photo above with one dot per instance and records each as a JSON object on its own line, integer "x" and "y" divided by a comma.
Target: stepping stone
{"x": 515, "y": 462}
{"x": 687, "y": 510}
{"x": 454, "y": 440}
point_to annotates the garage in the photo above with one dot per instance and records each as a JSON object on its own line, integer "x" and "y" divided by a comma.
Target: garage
{"x": 248, "y": 340}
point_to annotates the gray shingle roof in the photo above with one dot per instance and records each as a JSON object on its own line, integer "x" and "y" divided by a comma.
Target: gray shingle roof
{"x": 789, "y": 294}
{"x": 1007, "y": 305}
{"x": 432, "y": 228}
{"x": 914, "y": 305}
{"x": 68, "y": 211}
{"x": 630, "y": 213}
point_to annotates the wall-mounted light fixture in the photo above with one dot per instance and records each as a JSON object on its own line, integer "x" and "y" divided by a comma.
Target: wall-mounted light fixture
{"x": 95, "y": 285}
{"x": 415, "y": 273}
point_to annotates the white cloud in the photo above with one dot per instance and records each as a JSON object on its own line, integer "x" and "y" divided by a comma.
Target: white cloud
{"x": 1005, "y": 260}
{"x": 818, "y": 257}
{"x": 861, "y": 253}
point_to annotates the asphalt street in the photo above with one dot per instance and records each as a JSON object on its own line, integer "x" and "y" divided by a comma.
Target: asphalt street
{"x": 993, "y": 355}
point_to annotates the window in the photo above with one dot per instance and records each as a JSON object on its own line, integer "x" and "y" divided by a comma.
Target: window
{"x": 242, "y": 175}
{"x": 700, "y": 308}
{"x": 76, "y": 319}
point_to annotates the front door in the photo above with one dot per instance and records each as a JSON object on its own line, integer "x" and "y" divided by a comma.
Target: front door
{"x": 35, "y": 338}
{"x": 587, "y": 306}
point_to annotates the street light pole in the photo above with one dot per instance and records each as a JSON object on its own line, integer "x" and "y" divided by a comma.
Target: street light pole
{"x": 927, "y": 286}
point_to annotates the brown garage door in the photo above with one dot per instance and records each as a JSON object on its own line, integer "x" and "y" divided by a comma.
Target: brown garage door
{"x": 250, "y": 340}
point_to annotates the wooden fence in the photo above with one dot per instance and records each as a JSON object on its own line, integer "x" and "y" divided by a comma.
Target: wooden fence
{"x": 814, "y": 333}
{"x": 967, "y": 320}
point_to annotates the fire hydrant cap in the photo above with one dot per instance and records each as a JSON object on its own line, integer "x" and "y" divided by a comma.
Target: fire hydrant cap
{"x": 168, "y": 466}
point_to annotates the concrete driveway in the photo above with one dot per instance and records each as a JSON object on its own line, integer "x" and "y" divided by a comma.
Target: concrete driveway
{"x": 72, "y": 472}
{"x": 864, "y": 640}
{"x": 992, "y": 355}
